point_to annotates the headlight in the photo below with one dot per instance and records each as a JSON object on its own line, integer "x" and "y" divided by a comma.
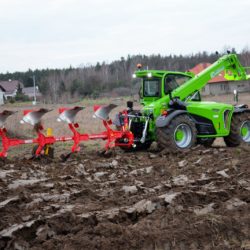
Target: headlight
{"x": 149, "y": 74}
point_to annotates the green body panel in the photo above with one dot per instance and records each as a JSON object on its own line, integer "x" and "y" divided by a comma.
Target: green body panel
{"x": 210, "y": 110}
{"x": 213, "y": 111}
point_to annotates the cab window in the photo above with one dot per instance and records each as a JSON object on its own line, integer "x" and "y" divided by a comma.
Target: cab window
{"x": 151, "y": 87}
{"x": 173, "y": 81}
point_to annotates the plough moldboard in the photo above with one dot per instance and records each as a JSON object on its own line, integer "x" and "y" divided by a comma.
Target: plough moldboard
{"x": 122, "y": 137}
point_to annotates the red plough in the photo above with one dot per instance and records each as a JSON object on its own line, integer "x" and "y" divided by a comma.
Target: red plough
{"x": 122, "y": 137}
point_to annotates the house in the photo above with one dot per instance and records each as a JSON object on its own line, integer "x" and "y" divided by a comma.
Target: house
{"x": 2, "y": 91}
{"x": 10, "y": 87}
{"x": 219, "y": 84}
{"x": 29, "y": 91}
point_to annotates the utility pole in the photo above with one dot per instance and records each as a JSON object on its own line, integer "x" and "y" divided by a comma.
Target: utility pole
{"x": 236, "y": 96}
{"x": 34, "y": 83}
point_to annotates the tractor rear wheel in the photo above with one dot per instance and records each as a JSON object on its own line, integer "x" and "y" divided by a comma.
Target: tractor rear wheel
{"x": 239, "y": 131}
{"x": 179, "y": 134}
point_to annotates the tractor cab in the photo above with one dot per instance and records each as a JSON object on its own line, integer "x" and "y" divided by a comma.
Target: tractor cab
{"x": 158, "y": 83}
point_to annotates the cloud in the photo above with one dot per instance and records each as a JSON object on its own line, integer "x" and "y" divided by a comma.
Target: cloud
{"x": 57, "y": 33}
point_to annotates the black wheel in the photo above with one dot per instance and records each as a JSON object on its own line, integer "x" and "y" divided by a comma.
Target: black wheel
{"x": 239, "y": 131}
{"x": 179, "y": 134}
{"x": 139, "y": 147}
{"x": 206, "y": 142}
{"x": 143, "y": 146}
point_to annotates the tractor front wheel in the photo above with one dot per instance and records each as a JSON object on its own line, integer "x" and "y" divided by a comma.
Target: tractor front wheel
{"x": 179, "y": 134}
{"x": 239, "y": 131}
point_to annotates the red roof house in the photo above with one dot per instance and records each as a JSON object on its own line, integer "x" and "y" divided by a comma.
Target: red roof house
{"x": 201, "y": 66}
{"x": 217, "y": 85}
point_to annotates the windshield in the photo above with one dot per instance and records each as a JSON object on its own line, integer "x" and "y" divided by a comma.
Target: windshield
{"x": 173, "y": 81}
{"x": 151, "y": 88}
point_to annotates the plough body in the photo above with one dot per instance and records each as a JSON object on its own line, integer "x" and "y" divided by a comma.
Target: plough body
{"x": 122, "y": 137}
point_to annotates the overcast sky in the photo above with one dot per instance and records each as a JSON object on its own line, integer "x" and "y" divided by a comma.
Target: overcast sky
{"x": 60, "y": 33}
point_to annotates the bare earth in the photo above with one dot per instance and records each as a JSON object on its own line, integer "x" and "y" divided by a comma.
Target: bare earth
{"x": 197, "y": 199}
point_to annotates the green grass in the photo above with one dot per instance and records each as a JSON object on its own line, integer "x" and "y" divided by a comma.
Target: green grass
{"x": 19, "y": 104}
{"x": 84, "y": 102}
{"x": 102, "y": 101}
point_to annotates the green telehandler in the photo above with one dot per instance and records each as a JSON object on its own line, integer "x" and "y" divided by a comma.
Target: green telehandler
{"x": 174, "y": 115}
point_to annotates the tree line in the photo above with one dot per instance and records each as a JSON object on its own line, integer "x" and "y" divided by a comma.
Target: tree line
{"x": 107, "y": 79}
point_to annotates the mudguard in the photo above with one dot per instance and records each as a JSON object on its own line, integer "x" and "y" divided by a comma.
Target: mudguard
{"x": 241, "y": 108}
{"x": 163, "y": 120}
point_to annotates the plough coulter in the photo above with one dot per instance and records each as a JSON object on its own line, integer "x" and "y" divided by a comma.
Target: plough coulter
{"x": 43, "y": 142}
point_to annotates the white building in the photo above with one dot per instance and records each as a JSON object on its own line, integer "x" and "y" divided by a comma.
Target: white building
{"x": 10, "y": 87}
{"x": 1, "y": 96}
{"x": 29, "y": 91}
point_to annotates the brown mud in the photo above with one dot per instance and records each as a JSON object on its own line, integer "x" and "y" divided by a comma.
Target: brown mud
{"x": 197, "y": 199}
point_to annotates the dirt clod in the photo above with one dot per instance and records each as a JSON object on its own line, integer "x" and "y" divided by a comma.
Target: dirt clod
{"x": 143, "y": 200}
